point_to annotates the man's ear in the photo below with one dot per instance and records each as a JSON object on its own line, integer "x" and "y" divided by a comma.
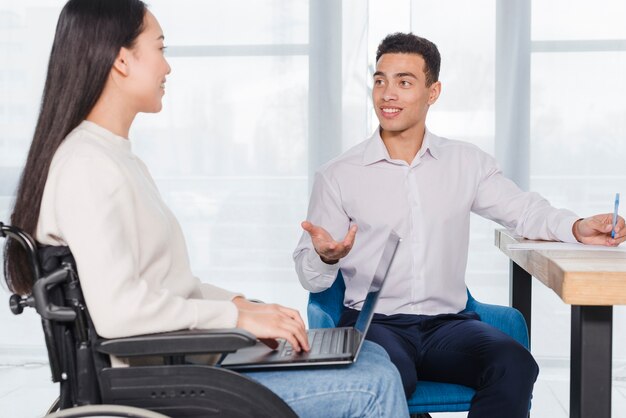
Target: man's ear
{"x": 120, "y": 65}
{"x": 433, "y": 92}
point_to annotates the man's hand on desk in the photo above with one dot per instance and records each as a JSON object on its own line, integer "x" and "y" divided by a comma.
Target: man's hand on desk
{"x": 597, "y": 229}
{"x": 329, "y": 250}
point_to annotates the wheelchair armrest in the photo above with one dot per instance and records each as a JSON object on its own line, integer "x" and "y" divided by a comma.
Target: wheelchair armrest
{"x": 507, "y": 319}
{"x": 178, "y": 343}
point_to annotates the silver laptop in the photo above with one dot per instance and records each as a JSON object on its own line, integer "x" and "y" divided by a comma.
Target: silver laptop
{"x": 329, "y": 346}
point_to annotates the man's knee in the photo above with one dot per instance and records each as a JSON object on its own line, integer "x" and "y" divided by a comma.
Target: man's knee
{"x": 522, "y": 364}
{"x": 512, "y": 365}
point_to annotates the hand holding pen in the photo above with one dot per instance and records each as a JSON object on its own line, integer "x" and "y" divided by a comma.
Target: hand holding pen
{"x": 605, "y": 229}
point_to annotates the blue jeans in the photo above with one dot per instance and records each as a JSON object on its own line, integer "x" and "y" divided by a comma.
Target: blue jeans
{"x": 371, "y": 387}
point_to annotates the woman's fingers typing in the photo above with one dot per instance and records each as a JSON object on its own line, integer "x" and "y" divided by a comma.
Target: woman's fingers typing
{"x": 275, "y": 321}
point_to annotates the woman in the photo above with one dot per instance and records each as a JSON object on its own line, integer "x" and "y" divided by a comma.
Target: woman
{"x": 83, "y": 187}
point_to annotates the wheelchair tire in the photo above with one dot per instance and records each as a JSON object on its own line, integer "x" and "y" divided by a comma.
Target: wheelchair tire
{"x": 105, "y": 411}
{"x": 54, "y": 407}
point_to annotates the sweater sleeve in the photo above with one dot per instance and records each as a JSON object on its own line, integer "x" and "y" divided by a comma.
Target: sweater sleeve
{"x": 212, "y": 292}
{"x": 96, "y": 214}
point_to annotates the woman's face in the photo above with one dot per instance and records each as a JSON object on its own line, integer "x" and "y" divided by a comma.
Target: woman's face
{"x": 147, "y": 68}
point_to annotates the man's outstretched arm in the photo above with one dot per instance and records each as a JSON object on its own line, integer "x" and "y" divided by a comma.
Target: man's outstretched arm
{"x": 318, "y": 251}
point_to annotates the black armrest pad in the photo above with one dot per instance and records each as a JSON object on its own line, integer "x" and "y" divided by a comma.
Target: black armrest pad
{"x": 178, "y": 343}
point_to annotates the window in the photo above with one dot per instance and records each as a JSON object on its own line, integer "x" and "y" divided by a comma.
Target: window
{"x": 258, "y": 98}
{"x": 577, "y": 128}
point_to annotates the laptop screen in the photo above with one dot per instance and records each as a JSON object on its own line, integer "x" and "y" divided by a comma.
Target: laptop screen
{"x": 367, "y": 310}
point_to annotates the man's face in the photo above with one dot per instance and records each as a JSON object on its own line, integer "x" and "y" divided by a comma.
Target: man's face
{"x": 400, "y": 95}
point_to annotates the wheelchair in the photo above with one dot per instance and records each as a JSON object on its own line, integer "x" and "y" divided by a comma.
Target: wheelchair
{"x": 80, "y": 359}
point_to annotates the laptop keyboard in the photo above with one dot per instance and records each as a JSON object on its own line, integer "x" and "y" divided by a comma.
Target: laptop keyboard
{"x": 322, "y": 341}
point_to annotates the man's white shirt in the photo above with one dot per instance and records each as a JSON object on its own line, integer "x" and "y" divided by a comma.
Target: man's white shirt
{"x": 428, "y": 204}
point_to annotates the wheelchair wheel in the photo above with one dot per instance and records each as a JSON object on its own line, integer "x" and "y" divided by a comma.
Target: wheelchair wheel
{"x": 105, "y": 411}
{"x": 54, "y": 407}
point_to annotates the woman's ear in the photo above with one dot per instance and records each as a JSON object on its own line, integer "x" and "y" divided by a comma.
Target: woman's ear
{"x": 120, "y": 64}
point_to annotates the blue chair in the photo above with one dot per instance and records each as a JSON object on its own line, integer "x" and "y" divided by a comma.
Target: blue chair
{"x": 325, "y": 308}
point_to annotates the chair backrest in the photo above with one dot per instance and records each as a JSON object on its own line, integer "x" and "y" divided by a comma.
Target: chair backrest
{"x": 324, "y": 308}
{"x": 68, "y": 331}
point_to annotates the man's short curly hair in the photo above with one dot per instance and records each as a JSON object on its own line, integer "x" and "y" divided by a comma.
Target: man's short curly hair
{"x": 408, "y": 43}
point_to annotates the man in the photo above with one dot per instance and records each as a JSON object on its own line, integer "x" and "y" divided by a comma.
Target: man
{"x": 424, "y": 187}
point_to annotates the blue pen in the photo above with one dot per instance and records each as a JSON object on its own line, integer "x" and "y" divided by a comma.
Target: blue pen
{"x": 615, "y": 214}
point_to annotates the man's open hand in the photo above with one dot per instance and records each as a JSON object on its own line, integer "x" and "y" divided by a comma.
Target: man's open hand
{"x": 329, "y": 250}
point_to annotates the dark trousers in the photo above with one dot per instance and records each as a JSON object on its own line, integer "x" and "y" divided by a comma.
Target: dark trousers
{"x": 457, "y": 348}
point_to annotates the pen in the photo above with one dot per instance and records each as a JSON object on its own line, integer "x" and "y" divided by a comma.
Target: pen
{"x": 615, "y": 214}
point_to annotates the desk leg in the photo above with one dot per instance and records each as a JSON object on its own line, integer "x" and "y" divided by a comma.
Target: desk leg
{"x": 590, "y": 368}
{"x": 520, "y": 288}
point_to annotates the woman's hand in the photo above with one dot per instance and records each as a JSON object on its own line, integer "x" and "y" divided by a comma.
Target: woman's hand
{"x": 270, "y": 321}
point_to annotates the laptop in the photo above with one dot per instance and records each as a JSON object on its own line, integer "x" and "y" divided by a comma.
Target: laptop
{"x": 329, "y": 346}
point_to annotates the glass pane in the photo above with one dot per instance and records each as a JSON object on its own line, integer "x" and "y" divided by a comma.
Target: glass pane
{"x": 577, "y": 155}
{"x": 578, "y": 128}
{"x": 578, "y": 19}
{"x": 248, "y": 22}
{"x": 229, "y": 116}
{"x": 385, "y": 17}
{"x": 241, "y": 231}
{"x": 229, "y": 154}
{"x": 26, "y": 33}
{"x": 465, "y": 109}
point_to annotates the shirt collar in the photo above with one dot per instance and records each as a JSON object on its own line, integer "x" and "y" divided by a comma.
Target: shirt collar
{"x": 431, "y": 144}
{"x": 376, "y": 151}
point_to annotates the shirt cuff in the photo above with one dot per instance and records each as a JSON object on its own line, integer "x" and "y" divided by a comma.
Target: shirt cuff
{"x": 316, "y": 264}
{"x": 565, "y": 231}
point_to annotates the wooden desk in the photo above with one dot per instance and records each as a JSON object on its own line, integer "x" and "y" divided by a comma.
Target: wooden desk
{"x": 592, "y": 282}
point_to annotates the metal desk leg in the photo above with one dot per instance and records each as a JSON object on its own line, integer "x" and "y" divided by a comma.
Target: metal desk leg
{"x": 520, "y": 288}
{"x": 590, "y": 370}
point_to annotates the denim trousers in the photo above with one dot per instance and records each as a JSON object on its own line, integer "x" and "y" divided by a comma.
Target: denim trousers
{"x": 370, "y": 387}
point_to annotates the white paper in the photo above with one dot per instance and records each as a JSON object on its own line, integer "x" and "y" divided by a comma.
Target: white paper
{"x": 563, "y": 246}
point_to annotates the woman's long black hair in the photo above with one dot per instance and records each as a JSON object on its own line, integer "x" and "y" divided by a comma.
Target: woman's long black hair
{"x": 88, "y": 38}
